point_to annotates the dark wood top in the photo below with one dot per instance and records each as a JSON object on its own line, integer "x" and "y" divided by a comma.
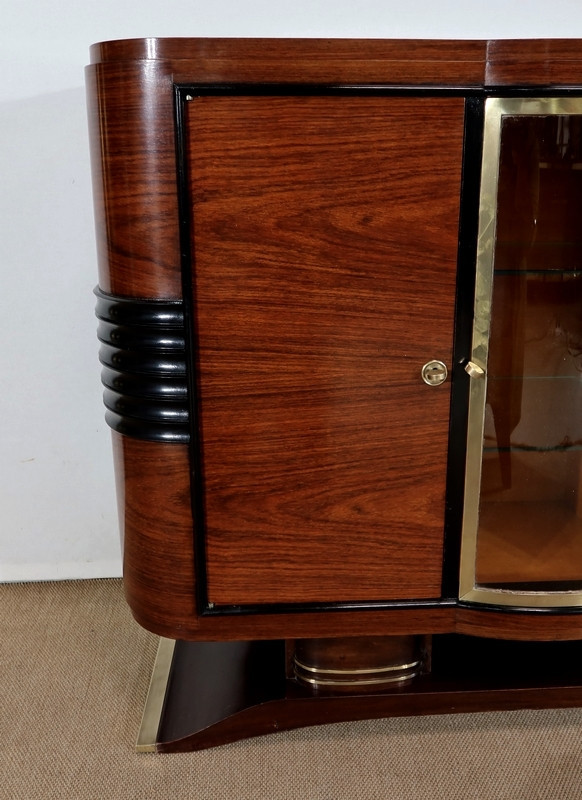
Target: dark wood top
{"x": 397, "y": 62}
{"x": 462, "y": 63}
{"x": 172, "y": 49}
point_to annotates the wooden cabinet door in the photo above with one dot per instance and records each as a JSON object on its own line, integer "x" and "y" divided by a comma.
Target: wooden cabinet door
{"x": 324, "y": 247}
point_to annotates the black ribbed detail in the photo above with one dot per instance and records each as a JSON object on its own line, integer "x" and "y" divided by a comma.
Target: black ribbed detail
{"x": 143, "y": 354}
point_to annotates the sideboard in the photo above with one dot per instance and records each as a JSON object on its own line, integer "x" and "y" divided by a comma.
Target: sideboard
{"x": 340, "y": 315}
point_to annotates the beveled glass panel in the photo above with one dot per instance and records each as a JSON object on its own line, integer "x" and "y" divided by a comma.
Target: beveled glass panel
{"x": 522, "y": 536}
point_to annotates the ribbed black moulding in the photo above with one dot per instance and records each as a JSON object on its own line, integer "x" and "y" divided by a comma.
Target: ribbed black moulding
{"x": 143, "y": 355}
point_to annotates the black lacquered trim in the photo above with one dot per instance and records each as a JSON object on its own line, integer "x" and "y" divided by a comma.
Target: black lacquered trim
{"x": 145, "y": 408}
{"x": 466, "y": 263}
{"x": 188, "y": 270}
{"x": 317, "y": 607}
{"x": 494, "y": 608}
{"x": 157, "y": 336}
{"x": 147, "y": 431}
{"x": 143, "y": 354}
{"x": 130, "y": 311}
{"x": 170, "y": 387}
{"x": 146, "y": 361}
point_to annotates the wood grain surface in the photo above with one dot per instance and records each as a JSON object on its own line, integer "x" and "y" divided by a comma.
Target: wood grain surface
{"x": 534, "y": 62}
{"x": 542, "y": 626}
{"x": 453, "y": 63}
{"x": 324, "y": 245}
{"x": 153, "y": 492}
{"x": 153, "y": 488}
{"x": 242, "y": 60}
{"x": 131, "y": 109}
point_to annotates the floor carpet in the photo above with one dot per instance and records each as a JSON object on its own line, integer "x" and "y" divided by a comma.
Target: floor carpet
{"x": 74, "y": 675}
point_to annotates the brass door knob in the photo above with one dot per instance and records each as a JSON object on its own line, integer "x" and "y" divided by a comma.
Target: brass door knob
{"x": 474, "y": 370}
{"x": 434, "y": 373}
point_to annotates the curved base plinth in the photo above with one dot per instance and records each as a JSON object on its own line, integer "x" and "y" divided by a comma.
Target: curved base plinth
{"x": 205, "y": 694}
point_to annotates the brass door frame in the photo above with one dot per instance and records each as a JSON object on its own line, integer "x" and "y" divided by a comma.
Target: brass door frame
{"x": 495, "y": 109}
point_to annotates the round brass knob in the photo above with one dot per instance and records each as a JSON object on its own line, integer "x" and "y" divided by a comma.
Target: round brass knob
{"x": 434, "y": 373}
{"x": 474, "y": 370}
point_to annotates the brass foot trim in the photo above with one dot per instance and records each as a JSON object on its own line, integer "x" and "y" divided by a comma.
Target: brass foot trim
{"x": 349, "y": 683}
{"x": 347, "y": 672}
{"x": 154, "y": 705}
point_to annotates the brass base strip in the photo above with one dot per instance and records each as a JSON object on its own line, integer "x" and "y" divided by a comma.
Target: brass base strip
{"x": 388, "y": 679}
{"x": 389, "y": 668}
{"x": 154, "y": 705}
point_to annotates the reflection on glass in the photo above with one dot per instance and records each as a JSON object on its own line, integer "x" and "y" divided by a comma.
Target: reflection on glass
{"x": 530, "y": 514}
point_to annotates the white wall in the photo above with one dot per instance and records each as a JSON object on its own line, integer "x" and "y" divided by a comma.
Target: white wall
{"x": 57, "y": 506}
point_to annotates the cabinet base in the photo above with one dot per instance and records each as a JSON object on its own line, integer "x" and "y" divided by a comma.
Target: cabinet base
{"x": 205, "y": 694}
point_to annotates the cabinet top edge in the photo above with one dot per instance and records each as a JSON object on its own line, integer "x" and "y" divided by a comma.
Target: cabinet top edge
{"x": 445, "y": 62}
{"x": 190, "y": 49}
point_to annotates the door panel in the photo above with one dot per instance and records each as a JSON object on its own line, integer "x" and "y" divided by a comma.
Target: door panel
{"x": 324, "y": 243}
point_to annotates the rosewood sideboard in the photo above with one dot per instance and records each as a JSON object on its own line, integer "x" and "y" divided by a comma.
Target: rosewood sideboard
{"x": 340, "y": 316}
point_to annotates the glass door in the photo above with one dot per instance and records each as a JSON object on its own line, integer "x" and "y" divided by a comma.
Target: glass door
{"x": 522, "y": 526}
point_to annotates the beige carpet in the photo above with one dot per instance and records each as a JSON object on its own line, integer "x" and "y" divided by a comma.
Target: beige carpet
{"x": 74, "y": 669}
